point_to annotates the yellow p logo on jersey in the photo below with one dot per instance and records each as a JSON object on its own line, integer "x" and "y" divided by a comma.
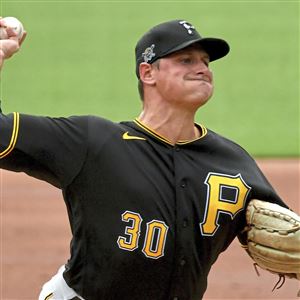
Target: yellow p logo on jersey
{"x": 216, "y": 204}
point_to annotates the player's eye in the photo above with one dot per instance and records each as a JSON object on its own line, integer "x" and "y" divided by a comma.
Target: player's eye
{"x": 206, "y": 62}
{"x": 186, "y": 60}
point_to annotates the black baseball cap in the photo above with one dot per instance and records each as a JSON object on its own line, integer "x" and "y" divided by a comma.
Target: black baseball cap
{"x": 171, "y": 36}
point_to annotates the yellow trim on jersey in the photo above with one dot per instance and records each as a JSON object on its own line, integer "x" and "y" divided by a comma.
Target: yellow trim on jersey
{"x": 154, "y": 133}
{"x": 203, "y": 134}
{"x": 146, "y": 128}
{"x": 49, "y": 296}
{"x": 14, "y": 136}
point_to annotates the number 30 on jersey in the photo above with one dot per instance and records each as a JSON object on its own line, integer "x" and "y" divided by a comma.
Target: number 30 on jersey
{"x": 155, "y": 237}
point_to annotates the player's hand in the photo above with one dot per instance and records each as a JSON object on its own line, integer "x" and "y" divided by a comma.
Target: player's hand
{"x": 11, "y": 45}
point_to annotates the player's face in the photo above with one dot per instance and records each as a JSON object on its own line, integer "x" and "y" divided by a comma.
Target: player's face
{"x": 184, "y": 77}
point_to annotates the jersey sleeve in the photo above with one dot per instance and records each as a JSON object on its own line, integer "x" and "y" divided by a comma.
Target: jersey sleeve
{"x": 50, "y": 149}
{"x": 241, "y": 161}
{"x": 264, "y": 190}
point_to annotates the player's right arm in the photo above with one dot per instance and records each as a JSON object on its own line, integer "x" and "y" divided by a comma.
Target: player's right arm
{"x": 50, "y": 149}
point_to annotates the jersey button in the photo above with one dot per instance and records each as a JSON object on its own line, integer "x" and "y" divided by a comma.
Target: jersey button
{"x": 183, "y": 184}
{"x": 185, "y": 223}
{"x": 182, "y": 262}
{"x": 177, "y": 148}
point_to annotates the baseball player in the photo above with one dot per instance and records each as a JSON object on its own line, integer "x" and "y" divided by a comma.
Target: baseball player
{"x": 151, "y": 202}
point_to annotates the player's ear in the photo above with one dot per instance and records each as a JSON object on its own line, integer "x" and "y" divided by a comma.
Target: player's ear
{"x": 146, "y": 73}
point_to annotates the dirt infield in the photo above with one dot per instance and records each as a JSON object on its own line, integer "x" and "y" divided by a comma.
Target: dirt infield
{"x": 35, "y": 238}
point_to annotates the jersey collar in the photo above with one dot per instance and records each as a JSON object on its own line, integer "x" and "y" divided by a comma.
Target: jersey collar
{"x": 153, "y": 133}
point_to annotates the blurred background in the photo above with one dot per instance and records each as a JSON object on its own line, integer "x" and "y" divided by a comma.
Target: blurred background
{"x": 78, "y": 58}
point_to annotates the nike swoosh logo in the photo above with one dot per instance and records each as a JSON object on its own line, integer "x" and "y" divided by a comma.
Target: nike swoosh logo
{"x": 126, "y": 136}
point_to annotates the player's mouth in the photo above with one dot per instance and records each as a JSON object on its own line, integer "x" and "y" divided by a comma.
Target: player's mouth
{"x": 202, "y": 78}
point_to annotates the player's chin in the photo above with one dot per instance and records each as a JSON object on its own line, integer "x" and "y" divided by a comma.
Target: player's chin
{"x": 208, "y": 88}
{"x": 199, "y": 100}
{"x": 200, "y": 94}
{"x": 204, "y": 96}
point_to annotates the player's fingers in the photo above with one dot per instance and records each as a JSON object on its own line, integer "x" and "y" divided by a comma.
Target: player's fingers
{"x": 10, "y": 32}
{"x": 9, "y": 47}
{"x": 1, "y": 58}
{"x": 23, "y": 38}
{"x": 6, "y": 32}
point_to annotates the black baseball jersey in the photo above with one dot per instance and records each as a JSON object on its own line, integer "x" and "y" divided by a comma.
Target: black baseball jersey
{"x": 148, "y": 218}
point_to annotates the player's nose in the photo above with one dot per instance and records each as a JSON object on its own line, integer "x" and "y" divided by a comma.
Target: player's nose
{"x": 202, "y": 66}
{"x": 202, "y": 70}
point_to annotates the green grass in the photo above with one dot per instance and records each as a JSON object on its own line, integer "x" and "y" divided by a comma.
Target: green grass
{"x": 78, "y": 58}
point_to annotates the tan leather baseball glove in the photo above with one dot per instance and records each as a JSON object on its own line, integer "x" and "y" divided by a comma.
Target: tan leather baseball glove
{"x": 273, "y": 238}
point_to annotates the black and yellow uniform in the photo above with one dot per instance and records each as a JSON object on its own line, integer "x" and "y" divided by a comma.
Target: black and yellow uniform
{"x": 148, "y": 218}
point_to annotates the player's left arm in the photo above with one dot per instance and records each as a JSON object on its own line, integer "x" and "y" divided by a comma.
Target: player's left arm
{"x": 272, "y": 233}
{"x": 269, "y": 231}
